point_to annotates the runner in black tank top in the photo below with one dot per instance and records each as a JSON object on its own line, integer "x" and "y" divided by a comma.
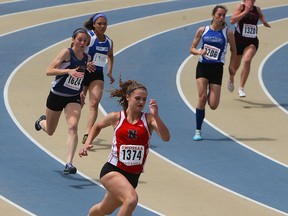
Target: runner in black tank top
{"x": 245, "y": 17}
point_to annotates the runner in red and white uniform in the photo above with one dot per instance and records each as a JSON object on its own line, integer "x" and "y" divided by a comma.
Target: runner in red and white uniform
{"x": 130, "y": 144}
{"x": 131, "y": 139}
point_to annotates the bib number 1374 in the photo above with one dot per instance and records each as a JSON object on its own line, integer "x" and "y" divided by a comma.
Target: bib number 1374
{"x": 131, "y": 155}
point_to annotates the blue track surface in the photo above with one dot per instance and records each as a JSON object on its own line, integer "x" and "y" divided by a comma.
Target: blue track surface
{"x": 276, "y": 80}
{"x": 32, "y": 179}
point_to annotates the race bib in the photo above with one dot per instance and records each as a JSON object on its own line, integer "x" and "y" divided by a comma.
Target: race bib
{"x": 73, "y": 83}
{"x": 131, "y": 155}
{"x": 211, "y": 52}
{"x": 249, "y": 31}
{"x": 100, "y": 59}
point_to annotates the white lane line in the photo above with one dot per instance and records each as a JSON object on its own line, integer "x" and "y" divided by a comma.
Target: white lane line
{"x": 227, "y": 135}
{"x": 182, "y": 95}
{"x": 72, "y": 17}
{"x": 11, "y": 1}
{"x": 16, "y": 206}
{"x": 260, "y": 73}
{"x": 5, "y": 93}
{"x": 193, "y": 109}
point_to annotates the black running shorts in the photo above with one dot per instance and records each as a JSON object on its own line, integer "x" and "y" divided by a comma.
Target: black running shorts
{"x": 89, "y": 77}
{"x": 241, "y": 46}
{"x": 58, "y": 103}
{"x": 131, "y": 177}
{"x": 212, "y": 72}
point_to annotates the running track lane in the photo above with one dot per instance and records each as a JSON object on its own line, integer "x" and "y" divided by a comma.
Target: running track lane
{"x": 61, "y": 166}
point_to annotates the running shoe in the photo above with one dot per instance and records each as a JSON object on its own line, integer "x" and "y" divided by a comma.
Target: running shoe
{"x": 241, "y": 92}
{"x": 84, "y": 138}
{"x": 69, "y": 169}
{"x": 197, "y": 136}
{"x": 230, "y": 86}
{"x": 37, "y": 123}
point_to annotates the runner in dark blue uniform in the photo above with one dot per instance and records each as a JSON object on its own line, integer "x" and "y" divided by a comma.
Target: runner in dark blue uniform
{"x": 101, "y": 52}
{"x": 69, "y": 67}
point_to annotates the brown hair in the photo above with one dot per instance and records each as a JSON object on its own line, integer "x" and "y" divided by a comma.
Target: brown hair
{"x": 215, "y": 10}
{"x": 89, "y": 23}
{"x": 125, "y": 88}
{"x": 77, "y": 31}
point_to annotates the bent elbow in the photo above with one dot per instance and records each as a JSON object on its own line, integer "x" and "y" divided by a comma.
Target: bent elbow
{"x": 48, "y": 73}
{"x": 166, "y": 138}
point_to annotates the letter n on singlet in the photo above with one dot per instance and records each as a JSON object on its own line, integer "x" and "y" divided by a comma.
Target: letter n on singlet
{"x": 132, "y": 134}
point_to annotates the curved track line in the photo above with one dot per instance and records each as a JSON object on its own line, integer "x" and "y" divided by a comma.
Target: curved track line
{"x": 169, "y": 161}
{"x": 31, "y": 138}
{"x": 213, "y": 183}
{"x": 10, "y": 1}
{"x": 193, "y": 109}
{"x": 133, "y": 44}
{"x": 61, "y": 13}
{"x": 181, "y": 93}
{"x": 178, "y": 83}
{"x": 16, "y": 206}
{"x": 260, "y": 72}
{"x": 7, "y": 84}
{"x": 8, "y": 107}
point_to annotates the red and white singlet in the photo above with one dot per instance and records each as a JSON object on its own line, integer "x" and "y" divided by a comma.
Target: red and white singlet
{"x": 130, "y": 145}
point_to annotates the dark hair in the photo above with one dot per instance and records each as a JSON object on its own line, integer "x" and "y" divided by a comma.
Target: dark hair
{"x": 215, "y": 10}
{"x": 77, "y": 31}
{"x": 89, "y": 23}
{"x": 125, "y": 88}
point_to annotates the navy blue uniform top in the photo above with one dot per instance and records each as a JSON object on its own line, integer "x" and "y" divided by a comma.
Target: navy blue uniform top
{"x": 66, "y": 85}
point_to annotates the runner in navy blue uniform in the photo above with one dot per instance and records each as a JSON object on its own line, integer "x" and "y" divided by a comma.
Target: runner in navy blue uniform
{"x": 68, "y": 68}
{"x": 245, "y": 18}
{"x": 101, "y": 51}
{"x": 209, "y": 69}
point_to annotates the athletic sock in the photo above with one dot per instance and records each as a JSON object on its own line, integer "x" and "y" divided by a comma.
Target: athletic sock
{"x": 200, "y": 115}
{"x": 69, "y": 164}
